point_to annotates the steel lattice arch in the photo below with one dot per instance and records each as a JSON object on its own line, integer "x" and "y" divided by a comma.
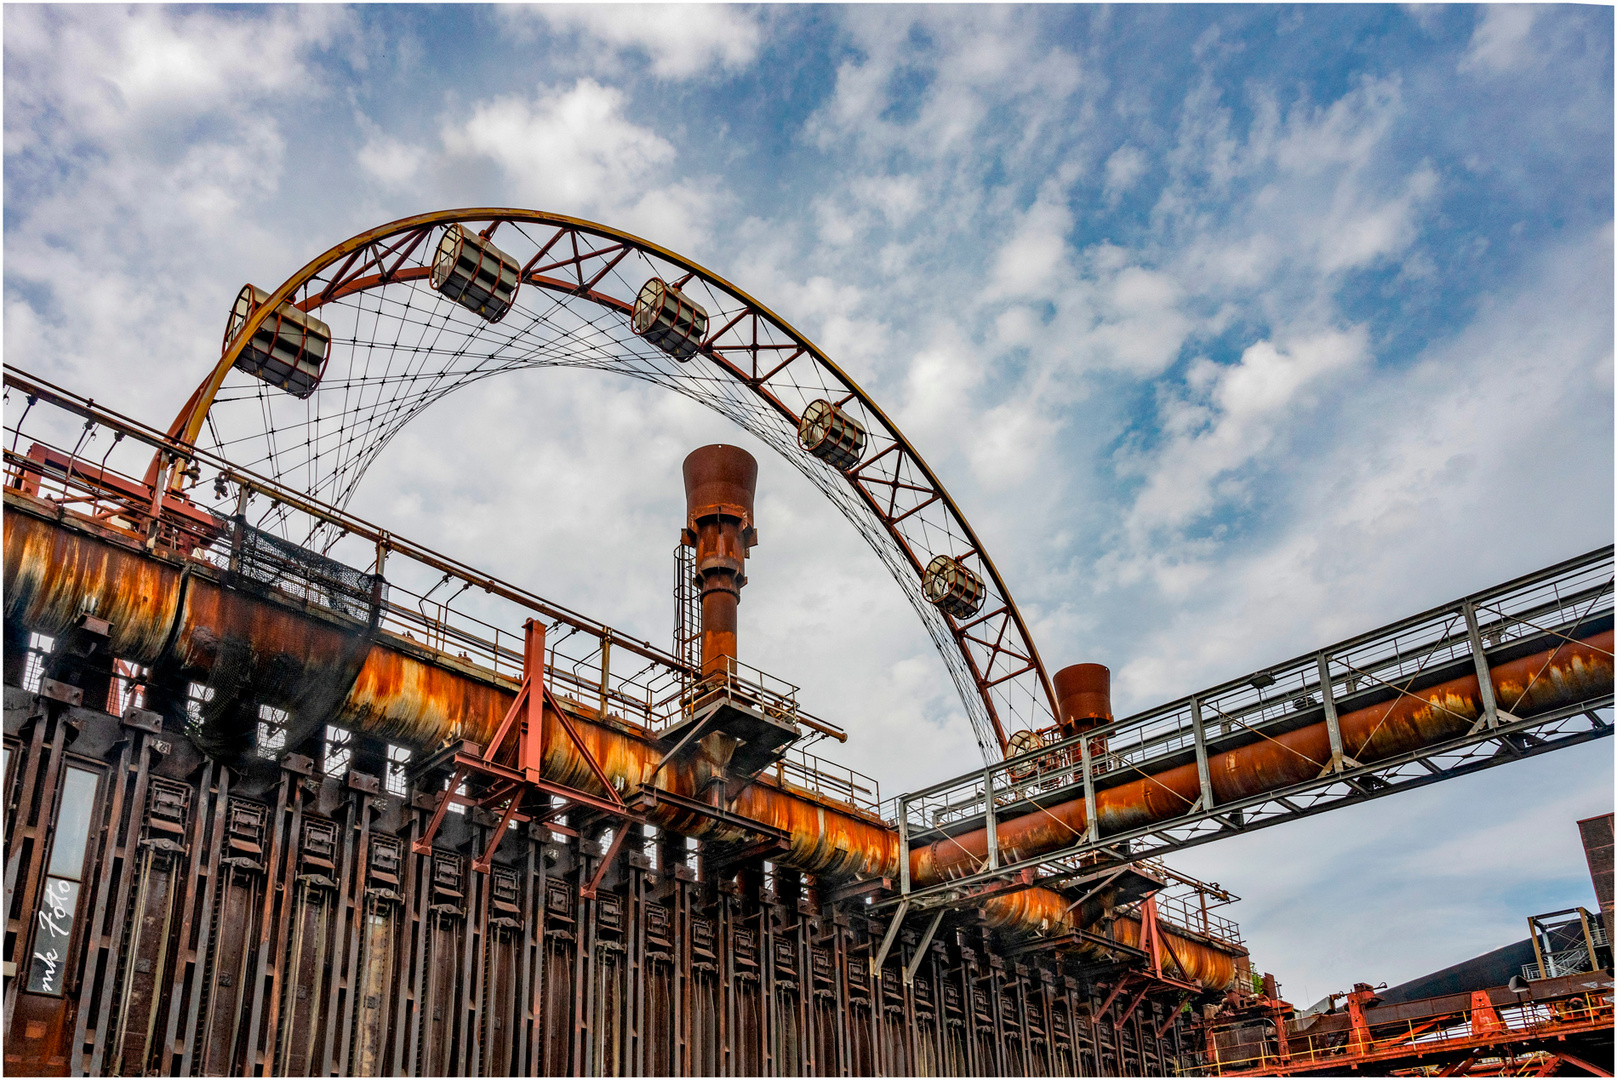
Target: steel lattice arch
{"x": 561, "y": 292}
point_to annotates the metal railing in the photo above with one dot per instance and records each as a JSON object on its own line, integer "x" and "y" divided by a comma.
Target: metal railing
{"x": 829, "y": 780}
{"x": 1451, "y": 641}
{"x": 1187, "y": 912}
{"x": 1571, "y": 961}
{"x": 1421, "y": 1035}
{"x": 86, "y": 460}
{"x": 752, "y": 687}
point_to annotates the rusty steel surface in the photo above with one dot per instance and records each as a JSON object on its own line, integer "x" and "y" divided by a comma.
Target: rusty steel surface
{"x": 51, "y": 575}
{"x": 1490, "y": 1031}
{"x": 1083, "y": 696}
{"x": 892, "y": 496}
{"x": 1202, "y": 960}
{"x": 1568, "y": 672}
{"x": 720, "y": 482}
{"x": 404, "y": 698}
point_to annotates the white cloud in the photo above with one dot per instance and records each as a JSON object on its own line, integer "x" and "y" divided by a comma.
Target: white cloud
{"x": 1123, "y": 169}
{"x": 1036, "y": 254}
{"x": 1411, "y": 465}
{"x": 573, "y": 148}
{"x": 897, "y": 197}
{"x": 390, "y": 161}
{"x": 681, "y": 40}
{"x": 1228, "y": 418}
{"x": 1500, "y": 41}
{"x": 100, "y": 75}
{"x": 1357, "y": 235}
{"x": 145, "y": 139}
{"x": 969, "y": 62}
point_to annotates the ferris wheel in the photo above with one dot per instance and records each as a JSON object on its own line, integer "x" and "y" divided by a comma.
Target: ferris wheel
{"x": 316, "y": 377}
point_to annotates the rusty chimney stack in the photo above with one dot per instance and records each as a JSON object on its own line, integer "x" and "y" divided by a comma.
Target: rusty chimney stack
{"x": 1083, "y": 697}
{"x": 719, "y": 485}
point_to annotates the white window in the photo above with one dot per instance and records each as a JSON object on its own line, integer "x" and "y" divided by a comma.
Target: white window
{"x": 398, "y": 760}
{"x": 339, "y": 750}
{"x": 196, "y": 695}
{"x": 59, "y": 900}
{"x": 38, "y": 646}
{"x": 271, "y": 731}
{"x": 456, "y": 808}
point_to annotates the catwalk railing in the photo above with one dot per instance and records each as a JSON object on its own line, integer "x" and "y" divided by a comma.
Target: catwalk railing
{"x": 1429, "y": 1032}
{"x": 1547, "y": 611}
{"x": 278, "y": 920}
{"x": 85, "y": 458}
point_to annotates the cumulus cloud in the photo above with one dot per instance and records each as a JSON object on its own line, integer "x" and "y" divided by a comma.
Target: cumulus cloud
{"x": 391, "y": 161}
{"x": 569, "y": 148}
{"x": 144, "y": 145}
{"x": 574, "y": 149}
{"x": 1126, "y": 165}
{"x": 1500, "y": 41}
{"x": 1230, "y": 416}
{"x": 681, "y": 40}
{"x": 966, "y": 65}
{"x": 99, "y": 76}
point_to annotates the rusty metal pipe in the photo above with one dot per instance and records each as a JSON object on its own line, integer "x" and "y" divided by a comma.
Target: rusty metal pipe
{"x": 1083, "y": 697}
{"x": 407, "y": 693}
{"x": 1047, "y": 912}
{"x": 321, "y": 668}
{"x": 1525, "y": 686}
{"x": 720, "y": 482}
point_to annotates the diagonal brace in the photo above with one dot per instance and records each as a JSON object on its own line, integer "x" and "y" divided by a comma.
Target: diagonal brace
{"x": 423, "y": 846}
{"x": 588, "y": 891}
{"x": 920, "y": 950}
{"x": 887, "y": 941}
{"x": 482, "y": 864}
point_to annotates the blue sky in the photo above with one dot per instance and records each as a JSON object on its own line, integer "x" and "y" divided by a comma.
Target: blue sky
{"x": 1233, "y": 330}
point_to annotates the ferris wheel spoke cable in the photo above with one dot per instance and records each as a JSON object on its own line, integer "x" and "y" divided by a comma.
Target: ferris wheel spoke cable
{"x": 394, "y": 349}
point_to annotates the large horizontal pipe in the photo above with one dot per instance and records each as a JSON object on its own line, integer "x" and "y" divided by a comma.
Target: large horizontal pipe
{"x": 323, "y": 668}
{"x": 1571, "y": 671}
{"x": 1047, "y": 912}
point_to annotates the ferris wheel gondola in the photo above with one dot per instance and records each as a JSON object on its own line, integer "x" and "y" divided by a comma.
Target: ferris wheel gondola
{"x": 316, "y": 378}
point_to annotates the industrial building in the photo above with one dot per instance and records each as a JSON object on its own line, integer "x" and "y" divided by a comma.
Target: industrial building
{"x": 291, "y": 794}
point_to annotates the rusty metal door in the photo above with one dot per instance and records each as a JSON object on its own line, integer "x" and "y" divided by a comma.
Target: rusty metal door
{"x": 51, "y": 944}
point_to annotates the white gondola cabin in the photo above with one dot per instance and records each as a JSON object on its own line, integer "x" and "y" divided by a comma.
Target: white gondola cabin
{"x": 474, "y": 273}
{"x": 289, "y": 348}
{"x": 669, "y": 319}
{"x": 953, "y": 588}
{"x": 831, "y": 435}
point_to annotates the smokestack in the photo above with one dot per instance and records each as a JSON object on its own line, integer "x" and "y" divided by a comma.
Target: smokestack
{"x": 1083, "y": 697}
{"x": 719, "y": 485}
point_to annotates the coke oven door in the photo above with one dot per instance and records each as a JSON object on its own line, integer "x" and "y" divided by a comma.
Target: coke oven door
{"x": 50, "y": 945}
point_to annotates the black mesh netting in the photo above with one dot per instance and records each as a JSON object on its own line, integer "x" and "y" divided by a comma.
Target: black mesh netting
{"x": 307, "y": 574}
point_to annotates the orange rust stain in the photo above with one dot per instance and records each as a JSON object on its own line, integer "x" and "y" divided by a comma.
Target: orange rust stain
{"x": 1407, "y": 722}
{"x": 1213, "y": 967}
{"x": 1043, "y": 910}
{"x": 1047, "y": 912}
{"x": 214, "y": 614}
{"x": 398, "y": 697}
{"x": 53, "y": 574}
